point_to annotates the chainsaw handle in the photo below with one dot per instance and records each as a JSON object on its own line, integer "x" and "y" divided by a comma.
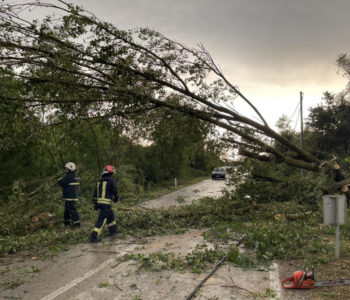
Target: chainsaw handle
{"x": 289, "y": 286}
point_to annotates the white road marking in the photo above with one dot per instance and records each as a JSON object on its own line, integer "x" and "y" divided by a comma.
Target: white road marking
{"x": 79, "y": 279}
{"x": 275, "y": 283}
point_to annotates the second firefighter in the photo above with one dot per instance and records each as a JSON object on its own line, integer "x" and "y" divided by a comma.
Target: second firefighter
{"x": 105, "y": 193}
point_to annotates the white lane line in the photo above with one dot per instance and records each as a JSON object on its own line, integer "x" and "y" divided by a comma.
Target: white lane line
{"x": 79, "y": 279}
{"x": 275, "y": 283}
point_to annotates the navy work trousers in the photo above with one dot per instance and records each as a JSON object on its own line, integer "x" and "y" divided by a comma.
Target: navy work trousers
{"x": 105, "y": 217}
{"x": 70, "y": 214}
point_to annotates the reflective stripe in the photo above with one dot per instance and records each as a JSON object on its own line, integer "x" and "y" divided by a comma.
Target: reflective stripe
{"x": 112, "y": 224}
{"x": 74, "y": 183}
{"x": 99, "y": 230}
{"x": 71, "y": 199}
{"x": 104, "y": 185}
{"x": 76, "y": 222}
{"x": 101, "y": 195}
{"x": 104, "y": 201}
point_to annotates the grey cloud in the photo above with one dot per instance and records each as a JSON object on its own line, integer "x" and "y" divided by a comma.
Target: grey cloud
{"x": 270, "y": 41}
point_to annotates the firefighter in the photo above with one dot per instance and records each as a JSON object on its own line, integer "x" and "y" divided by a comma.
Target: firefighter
{"x": 104, "y": 194}
{"x": 70, "y": 191}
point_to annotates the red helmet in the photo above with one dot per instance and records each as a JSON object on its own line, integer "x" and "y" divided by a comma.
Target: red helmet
{"x": 109, "y": 169}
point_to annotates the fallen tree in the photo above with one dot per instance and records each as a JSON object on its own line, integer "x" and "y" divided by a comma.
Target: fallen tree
{"x": 86, "y": 68}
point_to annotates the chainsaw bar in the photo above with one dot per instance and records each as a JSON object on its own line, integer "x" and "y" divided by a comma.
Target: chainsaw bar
{"x": 332, "y": 282}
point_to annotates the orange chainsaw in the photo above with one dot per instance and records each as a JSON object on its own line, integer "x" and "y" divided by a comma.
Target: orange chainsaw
{"x": 306, "y": 280}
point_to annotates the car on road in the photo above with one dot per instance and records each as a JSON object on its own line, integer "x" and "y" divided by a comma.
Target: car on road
{"x": 218, "y": 172}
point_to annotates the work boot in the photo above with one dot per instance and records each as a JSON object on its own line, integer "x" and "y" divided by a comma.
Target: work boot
{"x": 112, "y": 230}
{"x": 75, "y": 225}
{"x": 112, "y": 236}
{"x": 94, "y": 238}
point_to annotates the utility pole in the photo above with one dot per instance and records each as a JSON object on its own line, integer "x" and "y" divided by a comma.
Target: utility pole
{"x": 301, "y": 127}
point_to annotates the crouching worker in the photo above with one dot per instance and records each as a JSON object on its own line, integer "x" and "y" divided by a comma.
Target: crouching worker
{"x": 104, "y": 194}
{"x": 70, "y": 189}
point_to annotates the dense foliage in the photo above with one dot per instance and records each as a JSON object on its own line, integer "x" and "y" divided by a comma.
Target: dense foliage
{"x": 329, "y": 126}
{"x": 36, "y": 151}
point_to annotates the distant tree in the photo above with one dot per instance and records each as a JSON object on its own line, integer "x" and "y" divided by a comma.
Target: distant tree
{"x": 329, "y": 125}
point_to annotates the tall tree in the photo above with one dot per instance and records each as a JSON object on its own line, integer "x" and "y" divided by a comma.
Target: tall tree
{"x": 74, "y": 61}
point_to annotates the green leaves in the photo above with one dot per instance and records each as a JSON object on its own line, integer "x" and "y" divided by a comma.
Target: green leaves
{"x": 284, "y": 240}
{"x": 33, "y": 269}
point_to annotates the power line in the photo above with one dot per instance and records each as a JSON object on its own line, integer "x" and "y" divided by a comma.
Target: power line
{"x": 297, "y": 107}
{"x": 296, "y": 121}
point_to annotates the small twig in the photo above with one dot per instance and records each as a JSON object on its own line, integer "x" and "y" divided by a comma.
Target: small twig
{"x": 127, "y": 243}
{"x": 237, "y": 287}
{"x": 77, "y": 256}
{"x": 233, "y": 283}
{"x": 116, "y": 265}
{"x": 116, "y": 285}
{"x": 106, "y": 251}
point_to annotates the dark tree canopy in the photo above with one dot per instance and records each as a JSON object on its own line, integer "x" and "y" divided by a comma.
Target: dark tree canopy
{"x": 330, "y": 125}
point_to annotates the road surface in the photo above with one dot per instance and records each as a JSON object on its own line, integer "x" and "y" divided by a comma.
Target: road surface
{"x": 205, "y": 188}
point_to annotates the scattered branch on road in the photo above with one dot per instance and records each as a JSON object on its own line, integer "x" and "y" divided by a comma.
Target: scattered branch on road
{"x": 206, "y": 278}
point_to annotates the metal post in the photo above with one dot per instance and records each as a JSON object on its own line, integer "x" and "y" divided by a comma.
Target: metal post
{"x": 337, "y": 243}
{"x": 301, "y": 127}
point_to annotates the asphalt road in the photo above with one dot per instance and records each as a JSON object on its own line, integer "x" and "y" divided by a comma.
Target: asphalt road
{"x": 205, "y": 188}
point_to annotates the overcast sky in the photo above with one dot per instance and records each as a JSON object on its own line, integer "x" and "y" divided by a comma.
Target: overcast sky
{"x": 272, "y": 49}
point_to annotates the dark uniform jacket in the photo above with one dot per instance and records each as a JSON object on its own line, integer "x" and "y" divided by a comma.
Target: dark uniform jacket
{"x": 105, "y": 190}
{"x": 70, "y": 184}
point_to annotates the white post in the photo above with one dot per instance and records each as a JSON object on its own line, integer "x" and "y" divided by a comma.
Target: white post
{"x": 175, "y": 182}
{"x": 337, "y": 242}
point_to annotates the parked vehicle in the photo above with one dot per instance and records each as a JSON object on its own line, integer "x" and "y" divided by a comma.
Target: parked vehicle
{"x": 219, "y": 172}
